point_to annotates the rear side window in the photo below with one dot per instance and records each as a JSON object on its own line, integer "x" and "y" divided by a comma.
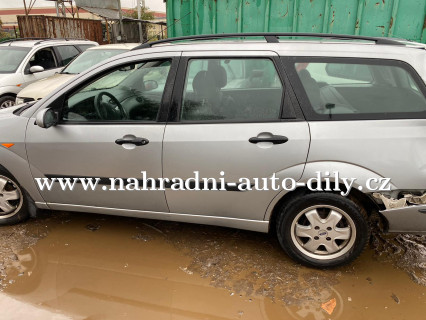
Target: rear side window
{"x": 67, "y": 53}
{"x": 231, "y": 90}
{"x": 374, "y": 89}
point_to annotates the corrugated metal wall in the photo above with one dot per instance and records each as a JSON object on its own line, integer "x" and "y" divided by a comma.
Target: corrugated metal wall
{"x": 389, "y": 18}
{"x": 58, "y": 27}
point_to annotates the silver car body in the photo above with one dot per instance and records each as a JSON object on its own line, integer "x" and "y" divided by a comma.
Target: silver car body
{"x": 361, "y": 149}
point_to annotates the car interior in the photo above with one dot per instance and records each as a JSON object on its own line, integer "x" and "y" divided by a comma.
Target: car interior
{"x": 129, "y": 93}
{"x": 338, "y": 89}
{"x": 43, "y": 58}
{"x": 217, "y": 92}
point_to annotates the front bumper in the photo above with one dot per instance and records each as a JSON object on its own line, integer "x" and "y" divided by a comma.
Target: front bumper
{"x": 411, "y": 219}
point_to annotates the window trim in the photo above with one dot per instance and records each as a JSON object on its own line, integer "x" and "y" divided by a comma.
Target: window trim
{"x": 307, "y": 109}
{"x": 59, "y": 103}
{"x": 61, "y": 59}
{"x": 178, "y": 92}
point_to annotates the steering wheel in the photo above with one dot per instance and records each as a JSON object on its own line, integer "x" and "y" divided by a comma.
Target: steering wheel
{"x": 109, "y": 110}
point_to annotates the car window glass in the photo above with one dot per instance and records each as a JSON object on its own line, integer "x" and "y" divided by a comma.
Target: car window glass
{"x": 90, "y": 58}
{"x": 231, "y": 90}
{"x": 44, "y": 58}
{"x": 358, "y": 88}
{"x": 130, "y": 93}
{"x": 11, "y": 58}
{"x": 67, "y": 53}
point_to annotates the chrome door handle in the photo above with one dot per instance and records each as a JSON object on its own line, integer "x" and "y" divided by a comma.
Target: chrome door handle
{"x": 135, "y": 141}
{"x": 274, "y": 139}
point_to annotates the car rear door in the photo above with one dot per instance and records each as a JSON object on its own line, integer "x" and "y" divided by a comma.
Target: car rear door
{"x": 226, "y": 107}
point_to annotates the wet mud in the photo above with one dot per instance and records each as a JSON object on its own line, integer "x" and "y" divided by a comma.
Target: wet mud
{"x": 84, "y": 266}
{"x": 405, "y": 251}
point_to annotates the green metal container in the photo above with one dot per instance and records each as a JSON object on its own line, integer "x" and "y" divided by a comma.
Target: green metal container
{"x": 381, "y": 18}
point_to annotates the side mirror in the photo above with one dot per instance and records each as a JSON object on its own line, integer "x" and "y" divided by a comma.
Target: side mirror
{"x": 47, "y": 118}
{"x": 150, "y": 85}
{"x": 36, "y": 69}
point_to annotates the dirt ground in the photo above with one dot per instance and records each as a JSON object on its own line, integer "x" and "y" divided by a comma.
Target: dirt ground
{"x": 84, "y": 266}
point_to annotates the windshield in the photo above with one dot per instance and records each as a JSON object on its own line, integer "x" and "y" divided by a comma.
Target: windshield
{"x": 11, "y": 58}
{"x": 89, "y": 58}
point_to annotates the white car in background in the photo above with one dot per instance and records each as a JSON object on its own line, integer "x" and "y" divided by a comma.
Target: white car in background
{"x": 24, "y": 61}
{"x": 83, "y": 62}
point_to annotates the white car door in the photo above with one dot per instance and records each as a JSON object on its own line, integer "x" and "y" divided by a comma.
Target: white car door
{"x": 43, "y": 57}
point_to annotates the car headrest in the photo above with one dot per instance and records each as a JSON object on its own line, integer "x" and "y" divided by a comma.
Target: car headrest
{"x": 214, "y": 77}
{"x": 202, "y": 82}
{"x": 220, "y": 76}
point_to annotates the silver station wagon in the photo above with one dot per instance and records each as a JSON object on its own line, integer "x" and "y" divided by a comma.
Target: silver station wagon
{"x": 317, "y": 112}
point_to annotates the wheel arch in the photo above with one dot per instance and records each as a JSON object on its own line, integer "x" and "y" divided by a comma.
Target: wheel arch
{"x": 19, "y": 170}
{"x": 8, "y": 94}
{"x": 364, "y": 201}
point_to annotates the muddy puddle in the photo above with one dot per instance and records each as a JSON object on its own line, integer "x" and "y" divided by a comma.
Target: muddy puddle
{"x": 84, "y": 266}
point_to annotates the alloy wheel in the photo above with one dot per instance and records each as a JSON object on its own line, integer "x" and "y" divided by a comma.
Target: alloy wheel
{"x": 11, "y": 198}
{"x": 323, "y": 232}
{"x": 7, "y": 104}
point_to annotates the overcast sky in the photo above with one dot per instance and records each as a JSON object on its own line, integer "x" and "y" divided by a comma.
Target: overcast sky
{"x": 156, "y": 5}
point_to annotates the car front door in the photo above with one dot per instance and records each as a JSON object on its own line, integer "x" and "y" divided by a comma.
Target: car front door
{"x": 228, "y": 107}
{"x": 44, "y": 57}
{"x": 103, "y": 119}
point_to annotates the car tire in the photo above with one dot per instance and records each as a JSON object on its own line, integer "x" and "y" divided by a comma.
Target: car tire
{"x": 14, "y": 200}
{"x": 7, "y": 101}
{"x": 322, "y": 229}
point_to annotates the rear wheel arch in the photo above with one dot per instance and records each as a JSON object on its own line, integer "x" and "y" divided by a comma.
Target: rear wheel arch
{"x": 364, "y": 201}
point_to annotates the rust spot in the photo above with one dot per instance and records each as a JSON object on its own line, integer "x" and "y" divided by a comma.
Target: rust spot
{"x": 357, "y": 24}
{"x": 424, "y": 24}
{"x": 383, "y": 1}
{"x": 391, "y": 23}
{"x": 377, "y": 3}
{"x": 320, "y": 14}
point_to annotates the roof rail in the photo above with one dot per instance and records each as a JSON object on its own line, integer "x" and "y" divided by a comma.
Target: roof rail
{"x": 21, "y": 39}
{"x": 62, "y": 39}
{"x": 273, "y": 38}
{"x": 40, "y": 39}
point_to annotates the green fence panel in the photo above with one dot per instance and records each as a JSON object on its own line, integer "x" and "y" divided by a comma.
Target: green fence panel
{"x": 382, "y": 18}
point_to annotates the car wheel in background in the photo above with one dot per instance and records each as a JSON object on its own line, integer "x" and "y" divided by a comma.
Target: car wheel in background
{"x": 322, "y": 229}
{"x": 7, "y": 101}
